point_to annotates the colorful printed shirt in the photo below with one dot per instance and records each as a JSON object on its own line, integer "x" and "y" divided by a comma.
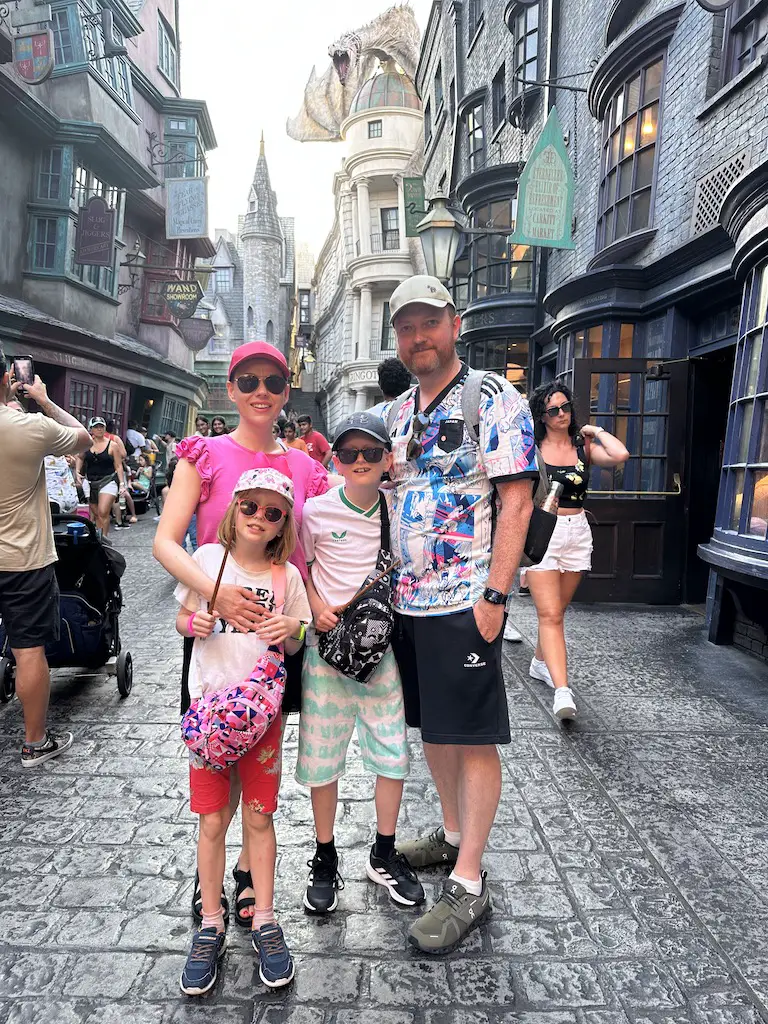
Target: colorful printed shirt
{"x": 442, "y": 502}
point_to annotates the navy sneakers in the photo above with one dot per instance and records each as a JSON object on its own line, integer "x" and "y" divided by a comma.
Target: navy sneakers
{"x": 276, "y": 967}
{"x": 202, "y": 967}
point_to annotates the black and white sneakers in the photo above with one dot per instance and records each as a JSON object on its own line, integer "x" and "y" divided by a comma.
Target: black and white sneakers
{"x": 396, "y": 875}
{"x": 323, "y": 884}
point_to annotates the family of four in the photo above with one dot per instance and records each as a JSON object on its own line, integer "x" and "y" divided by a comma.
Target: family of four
{"x": 458, "y": 503}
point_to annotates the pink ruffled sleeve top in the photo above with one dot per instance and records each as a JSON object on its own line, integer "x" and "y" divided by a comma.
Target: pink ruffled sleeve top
{"x": 220, "y": 461}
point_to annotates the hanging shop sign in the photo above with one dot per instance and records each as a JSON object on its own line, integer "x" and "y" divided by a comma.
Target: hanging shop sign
{"x": 196, "y": 332}
{"x": 715, "y": 6}
{"x": 415, "y": 205}
{"x": 182, "y": 297}
{"x": 33, "y": 56}
{"x": 545, "y": 192}
{"x": 186, "y": 211}
{"x": 95, "y": 236}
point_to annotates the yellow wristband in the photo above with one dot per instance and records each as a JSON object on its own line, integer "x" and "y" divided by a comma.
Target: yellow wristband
{"x": 302, "y": 633}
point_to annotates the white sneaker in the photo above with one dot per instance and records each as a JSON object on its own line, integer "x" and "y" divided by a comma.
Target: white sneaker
{"x": 563, "y": 705}
{"x": 511, "y": 634}
{"x": 539, "y": 670}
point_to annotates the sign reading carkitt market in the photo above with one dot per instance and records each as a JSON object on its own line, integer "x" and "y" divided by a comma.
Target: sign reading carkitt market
{"x": 186, "y": 211}
{"x": 33, "y": 56}
{"x": 182, "y": 297}
{"x": 415, "y": 205}
{"x": 545, "y": 192}
{"x": 95, "y": 236}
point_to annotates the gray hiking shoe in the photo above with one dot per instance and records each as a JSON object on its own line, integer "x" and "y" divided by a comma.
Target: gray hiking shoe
{"x": 454, "y": 915}
{"x": 432, "y": 849}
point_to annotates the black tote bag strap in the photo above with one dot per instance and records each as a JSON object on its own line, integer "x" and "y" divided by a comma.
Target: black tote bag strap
{"x": 385, "y": 536}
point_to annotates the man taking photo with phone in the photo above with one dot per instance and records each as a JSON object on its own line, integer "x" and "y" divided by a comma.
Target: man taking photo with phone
{"x": 29, "y": 594}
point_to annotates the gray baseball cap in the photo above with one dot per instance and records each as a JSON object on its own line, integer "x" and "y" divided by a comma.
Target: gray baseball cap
{"x": 363, "y": 423}
{"x": 421, "y": 288}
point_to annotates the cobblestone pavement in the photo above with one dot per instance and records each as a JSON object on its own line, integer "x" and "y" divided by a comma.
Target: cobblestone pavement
{"x": 628, "y": 864}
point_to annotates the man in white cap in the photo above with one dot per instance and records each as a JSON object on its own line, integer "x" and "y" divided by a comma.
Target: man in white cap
{"x": 461, "y": 501}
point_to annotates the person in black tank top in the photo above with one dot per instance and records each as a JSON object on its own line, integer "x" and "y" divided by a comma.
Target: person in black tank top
{"x": 102, "y": 467}
{"x": 568, "y": 452}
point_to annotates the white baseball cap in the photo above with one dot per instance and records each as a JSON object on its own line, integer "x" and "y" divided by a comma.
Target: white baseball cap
{"x": 421, "y": 288}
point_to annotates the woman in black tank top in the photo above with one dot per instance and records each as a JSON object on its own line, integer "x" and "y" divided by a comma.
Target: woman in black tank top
{"x": 102, "y": 467}
{"x": 568, "y": 453}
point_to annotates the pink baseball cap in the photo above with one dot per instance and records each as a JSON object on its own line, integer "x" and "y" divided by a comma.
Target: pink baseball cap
{"x": 258, "y": 350}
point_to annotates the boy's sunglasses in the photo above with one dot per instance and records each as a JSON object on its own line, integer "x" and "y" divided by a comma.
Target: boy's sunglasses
{"x": 553, "y": 410}
{"x": 248, "y": 382}
{"x": 271, "y": 513}
{"x": 415, "y": 447}
{"x": 347, "y": 456}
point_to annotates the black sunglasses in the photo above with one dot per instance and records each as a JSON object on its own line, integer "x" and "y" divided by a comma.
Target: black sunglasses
{"x": 415, "y": 447}
{"x": 248, "y": 382}
{"x": 553, "y": 410}
{"x": 271, "y": 513}
{"x": 348, "y": 456}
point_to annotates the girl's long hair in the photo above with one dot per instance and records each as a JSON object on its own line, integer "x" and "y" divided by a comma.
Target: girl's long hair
{"x": 538, "y": 403}
{"x": 279, "y": 549}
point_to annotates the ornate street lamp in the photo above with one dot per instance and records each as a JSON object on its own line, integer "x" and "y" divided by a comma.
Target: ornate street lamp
{"x": 440, "y": 235}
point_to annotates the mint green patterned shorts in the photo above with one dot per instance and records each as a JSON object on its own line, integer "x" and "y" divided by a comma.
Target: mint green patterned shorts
{"x": 331, "y": 707}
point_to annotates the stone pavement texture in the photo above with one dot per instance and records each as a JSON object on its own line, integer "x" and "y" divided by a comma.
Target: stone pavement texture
{"x": 628, "y": 864}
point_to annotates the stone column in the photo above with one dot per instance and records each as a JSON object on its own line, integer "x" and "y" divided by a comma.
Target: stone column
{"x": 401, "y": 212}
{"x": 355, "y": 326}
{"x": 364, "y": 216}
{"x": 366, "y": 320}
{"x": 361, "y": 400}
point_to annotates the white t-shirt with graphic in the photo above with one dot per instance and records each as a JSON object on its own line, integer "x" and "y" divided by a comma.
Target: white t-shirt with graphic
{"x": 226, "y": 656}
{"x": 341, "y": 542}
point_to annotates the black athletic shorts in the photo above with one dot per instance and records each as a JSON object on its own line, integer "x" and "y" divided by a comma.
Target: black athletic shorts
{"x": 29, "y": 606}
{"x": 453, "y": 687}
{"x": 293, "y": 666}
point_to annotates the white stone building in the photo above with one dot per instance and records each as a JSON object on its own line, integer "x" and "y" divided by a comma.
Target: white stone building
{"x": 366, "y": 254}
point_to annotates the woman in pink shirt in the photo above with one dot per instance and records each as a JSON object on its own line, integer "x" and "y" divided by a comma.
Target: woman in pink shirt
{"x": 206, "y": 474}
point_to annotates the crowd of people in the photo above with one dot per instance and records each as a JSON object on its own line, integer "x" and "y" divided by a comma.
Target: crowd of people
{"x": 426, "y": 511}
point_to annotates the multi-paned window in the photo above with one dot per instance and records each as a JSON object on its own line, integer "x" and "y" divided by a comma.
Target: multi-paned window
{"x": 476, "y": 137}
{"x": 86, "y": 186}
{"x": 304, "y": 307}
{"x": 387, "y": 330}
{"x": 496, "y": 266}
{"x": 49, "y": 176}
{"x": 438, "y": 88}
{"x": 225, "y": 279}
{"x": 506, "y": 356}
{"x": 113, "y": 407}
{"x": 630, "y": 132}
{"x": 744, "y": 487}
{"x": 115, "y": 71}
{"x": 499, "y": 97}
{"x": 63, "y": 43}
{"x": 526, "y": 35}
{"x": 474, "y": 15}
{"x": 82, "y": 400}
{"x": 173, "y": 416}
{"x": 44, "y": 235}
{"x": 375, "y": 129}
{"x": 747, "y": 36}
{"x": 167, "y": 58}
{"x": 390, "y": 230}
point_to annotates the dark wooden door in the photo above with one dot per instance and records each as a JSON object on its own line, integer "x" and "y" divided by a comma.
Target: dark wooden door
{"x": 639, "y": 538}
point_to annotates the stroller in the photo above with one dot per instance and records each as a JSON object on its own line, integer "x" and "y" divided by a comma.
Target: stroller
{"x": 88, "y": 573}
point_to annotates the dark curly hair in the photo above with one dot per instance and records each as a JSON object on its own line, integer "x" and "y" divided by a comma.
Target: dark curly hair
{"x": 538, "y": 403}
{"x": 394, "y": 378}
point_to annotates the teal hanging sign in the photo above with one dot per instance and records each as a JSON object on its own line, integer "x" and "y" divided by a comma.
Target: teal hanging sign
{"x": 545, "y": 192}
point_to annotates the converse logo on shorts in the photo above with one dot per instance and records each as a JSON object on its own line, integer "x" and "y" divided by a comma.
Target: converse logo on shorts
{"x": 473, "y": 661}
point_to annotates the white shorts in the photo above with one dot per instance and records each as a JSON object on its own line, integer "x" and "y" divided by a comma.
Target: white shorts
{"x": 93, "y": 495}
{"x": 570, "y": 549}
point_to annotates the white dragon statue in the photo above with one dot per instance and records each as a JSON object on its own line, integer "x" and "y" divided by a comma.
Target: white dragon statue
{"x": 394, "y": 35}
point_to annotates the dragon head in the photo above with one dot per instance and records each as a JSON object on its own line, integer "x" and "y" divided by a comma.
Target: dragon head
{"x": 345, "y": 53}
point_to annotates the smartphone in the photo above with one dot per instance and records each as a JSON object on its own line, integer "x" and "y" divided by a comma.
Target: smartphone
{"x": 24, "y": 370}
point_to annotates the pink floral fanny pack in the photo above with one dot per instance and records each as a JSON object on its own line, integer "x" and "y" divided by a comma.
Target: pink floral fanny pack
{"x": 222, "y": 726}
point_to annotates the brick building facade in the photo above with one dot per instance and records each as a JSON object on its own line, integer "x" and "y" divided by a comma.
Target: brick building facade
{"x": 657, "y": 316}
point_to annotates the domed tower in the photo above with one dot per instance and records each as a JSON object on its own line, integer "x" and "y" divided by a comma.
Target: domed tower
{"x": 262, "y": 246}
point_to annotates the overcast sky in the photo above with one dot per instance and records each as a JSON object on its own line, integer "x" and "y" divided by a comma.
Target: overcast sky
{"x": 251, "y": 61}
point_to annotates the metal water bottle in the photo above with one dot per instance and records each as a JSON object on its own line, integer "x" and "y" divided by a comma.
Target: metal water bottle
{"x": 552, "y": 501}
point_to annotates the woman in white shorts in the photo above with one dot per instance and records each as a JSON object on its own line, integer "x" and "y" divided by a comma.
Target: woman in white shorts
{"x": 102, "y": 467}
{"x": 567, "y": 452}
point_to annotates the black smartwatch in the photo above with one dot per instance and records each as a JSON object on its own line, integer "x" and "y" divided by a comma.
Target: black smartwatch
{"x": 494, "y": 596}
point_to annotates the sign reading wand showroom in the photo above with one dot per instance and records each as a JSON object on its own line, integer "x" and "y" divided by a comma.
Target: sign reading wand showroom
{"x": 545, "y": 193}
{"x": 182, "y": 297}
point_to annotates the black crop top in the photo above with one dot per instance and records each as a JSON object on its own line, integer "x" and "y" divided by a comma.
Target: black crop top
{"x": 573, "y": 478}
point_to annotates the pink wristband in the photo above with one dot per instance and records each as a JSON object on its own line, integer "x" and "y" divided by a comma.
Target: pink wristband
{"x": 190, "y": 620}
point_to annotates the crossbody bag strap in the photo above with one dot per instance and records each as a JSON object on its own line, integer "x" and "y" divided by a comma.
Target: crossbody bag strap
{"x": 279, "y": 576}
{"x": 397, "y": 405}
{"x": 386, "y": 540}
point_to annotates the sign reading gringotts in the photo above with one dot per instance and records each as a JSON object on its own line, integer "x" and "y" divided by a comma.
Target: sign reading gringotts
{"x": 186, "y": 212}
{"x": 545, "y": 193}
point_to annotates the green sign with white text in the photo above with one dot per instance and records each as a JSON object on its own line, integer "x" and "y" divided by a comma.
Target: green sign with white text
{"x": 415, "y": 205}
{"x": 545, "y": 192}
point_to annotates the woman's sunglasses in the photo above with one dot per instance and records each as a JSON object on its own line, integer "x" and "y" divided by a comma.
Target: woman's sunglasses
{"x": 248, "y": 382}
{"x": 347, "y": 456}
{"x": 271, "y": 513}
{"x": 553, "y": 410}
{"x": 415, "y": 447}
